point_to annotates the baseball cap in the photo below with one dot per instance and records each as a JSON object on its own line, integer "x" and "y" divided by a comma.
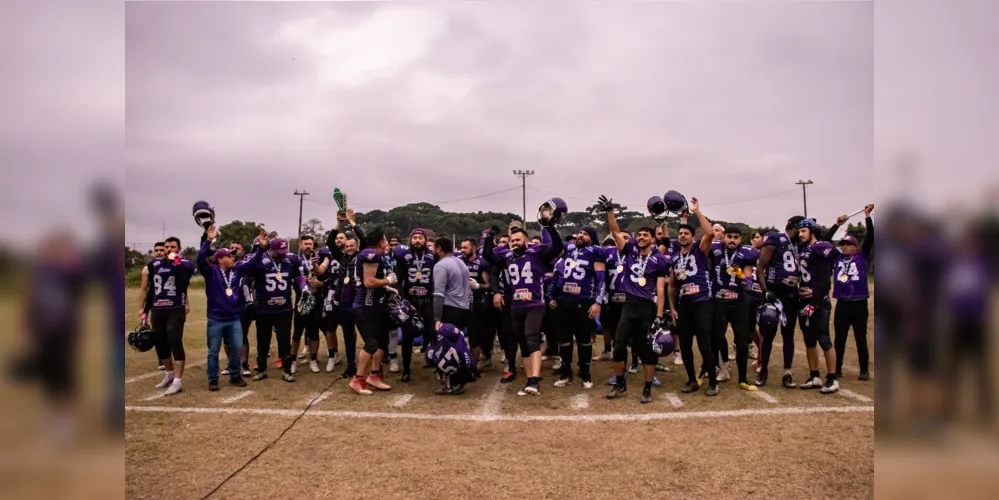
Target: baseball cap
{"x": 849, "y": 240}
{"x": 222, "y": 252}
{"x": 279, "y": 245}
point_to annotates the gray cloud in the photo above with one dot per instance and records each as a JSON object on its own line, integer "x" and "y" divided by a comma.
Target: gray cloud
{"x": 242, "y": 103}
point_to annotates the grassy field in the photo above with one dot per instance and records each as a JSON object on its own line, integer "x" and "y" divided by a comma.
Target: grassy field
{"x": 323, "y": 441}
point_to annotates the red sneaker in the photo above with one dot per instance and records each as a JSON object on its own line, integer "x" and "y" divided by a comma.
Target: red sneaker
{"x": 279, "y": 362}
{"x": 359, "y": 386}
{"x": 377, "y": 382}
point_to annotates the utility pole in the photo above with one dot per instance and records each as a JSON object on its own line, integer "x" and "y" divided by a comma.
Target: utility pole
{"x": 804, "y": 195}
{"x": 523, "y": 187}
{"x": 301, "y": 198}
{"x": 164, "y": 230}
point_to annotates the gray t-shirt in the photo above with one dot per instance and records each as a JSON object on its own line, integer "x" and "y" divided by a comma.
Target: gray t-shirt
{"x": 451, "y": 282}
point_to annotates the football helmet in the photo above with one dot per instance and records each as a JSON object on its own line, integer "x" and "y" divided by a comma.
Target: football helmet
{"x": 809, "y": 224}
{"x": 141, "y": 338}
{"x": 769, "y": 316}
{"x": 660, "y": 338}
{"x": 204, "y": 214}
{"x": 552, "y": 212}
{"x": 676, "y": 203}
{"x": 657, "y": 207}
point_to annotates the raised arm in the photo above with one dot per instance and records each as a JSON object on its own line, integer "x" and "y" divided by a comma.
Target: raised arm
{"x": 488, "y": 244}
{"x": 705, "y": 225}
{"x": 205, "y": 267}
{"x": 551, "y": 252}
{"x": 608, "y": 206}
{"x": 867, "y": 248}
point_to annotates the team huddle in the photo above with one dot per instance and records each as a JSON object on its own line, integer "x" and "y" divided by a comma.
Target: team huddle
{"x": 548, "y": 297}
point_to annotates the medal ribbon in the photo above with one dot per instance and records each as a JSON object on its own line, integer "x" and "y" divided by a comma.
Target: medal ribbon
{"x": 227, "y": 278}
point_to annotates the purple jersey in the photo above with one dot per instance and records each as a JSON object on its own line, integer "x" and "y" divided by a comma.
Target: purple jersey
{"x": 783, "y": 268}
{"x": 477, "y": 267}
{"x": 851, "y": 278}
{"x": 750, "y": 256}
{"x": 414, "y": 270}
{"x": 727, "y": 285}
{"x": 578, "y": 278}
{"x": 274, "y": 281}
{"x": 370, "y": 296}
{"x": 525, "y": 274}
{"x": 641, "y": 272}
{"x": 693, "y": 274}
{"x": 615, "y": 275}
{"x": 347, "y": 281}
{"x": 817, "y": 261}
{"x": 170, "y": 281}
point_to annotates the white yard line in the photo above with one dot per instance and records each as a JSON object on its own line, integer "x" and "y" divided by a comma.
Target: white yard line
{"x": 319, "y": 399}
{"x": 581, "y": 401}
{"x": 402, "y": 400}
{"x": 766, "y": 397}
{"x": 854, "y": 395}
{"x": 144, "y": 376}
{"x": 687, "y": 415}
{"x": 156, "y": 396}
{"x": 236, "y": 397}
{"x": 674, "y": 400}
{"x": 494, "y": 400}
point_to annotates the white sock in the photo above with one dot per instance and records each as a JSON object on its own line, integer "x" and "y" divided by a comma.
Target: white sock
{"x": 177, "y": 380}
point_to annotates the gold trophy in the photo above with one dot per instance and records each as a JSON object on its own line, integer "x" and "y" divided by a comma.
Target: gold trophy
{"x": 341, "y": 203}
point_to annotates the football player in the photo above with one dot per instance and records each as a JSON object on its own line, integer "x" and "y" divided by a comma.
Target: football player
{"x": 310, "y": 324}
{"x": 275, "y": 274}
{"x": 777, "y": 272}
{"x": 452, "y": 295}
{"x": 375, "y": 277}
{"x": 718, "y": 231}
{"x": 610, "y": 314}
{"x": 525, "y": 266}
{"x": 346, "y": 283}
{"x": 852, "y": 292}
{"x": 752, "y": 295}
{"x": 582, "y": 292}
{"x": 333, "y": 263}
{"x": 501, "y": 304}
{"x": 144, "y": 287}
{"x": 690, "y": 299}
{"x": 168, "y": 306}
{"x": 222, "y": 280}
{"x": 728, "y": 306}
{"x": 644, "y": 286}
{"x": 479, "y": 329}
{"x": 817, "y": 261}
{"x": 415, "y": 265}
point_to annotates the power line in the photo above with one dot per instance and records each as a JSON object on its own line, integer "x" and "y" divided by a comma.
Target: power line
{"x": 729, "y": 202}
{"x": 523, "y": 186}
{"x": 485, "y": 195}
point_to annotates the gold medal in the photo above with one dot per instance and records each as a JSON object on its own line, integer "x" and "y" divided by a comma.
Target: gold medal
{"x": 844, "y": 278}
{"x": 228, "y": 292}
{"x": 172, "y": 256}
{"x": 620, "y": 268}
{"x": 570, "y": 264}
{"x": 682, "y": 276}
{"x": 277, "y": 276}
{"x": 419, "y": 275}
{"x": 732, "y": 271}
{"x": 641, "y": 281}
{"x": 346, "y": 280}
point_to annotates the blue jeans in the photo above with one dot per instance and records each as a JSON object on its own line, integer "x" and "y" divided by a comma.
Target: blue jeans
{"x": 232, "y": 332}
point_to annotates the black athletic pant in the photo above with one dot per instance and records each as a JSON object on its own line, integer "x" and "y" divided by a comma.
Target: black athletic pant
{"x": 789, "y": 300}
{"x": 572, "y": 321}
{"x": 610, "y": 316}
{"x": 429, "y": 334}
{"x": 280, "y": 324}
{"x": 168, "y": 333}
{"x": 345, "y": 314}
{"x": 480, "y": 331}
{"x": 731, "y": 313}
{"x": 373, "y": 325}
{"x": 694, "y": 321}
{"x": 508, "y": 341}
{"x": 851, "y": 314}
{"x": 526, "y": 322}
{"x": 246, "y": 317}
{"x": 637, "y": 316}
{"x": 456, "y": 316}
{"x": 309, "y": 324}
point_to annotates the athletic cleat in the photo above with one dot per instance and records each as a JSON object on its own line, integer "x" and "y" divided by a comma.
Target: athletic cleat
{"x": 557, "y": 363}
{"x": 287, "y": 377}
{"x": 831, "y": 386}
{"x": 457, "y": 389}
{"x": 633, "y": 369}
{"x": 237, "y": 382}
{"x": 663, "y": 368}
{"x": 279, "y": 363}
{"x": 646, "y": 396}
{"x": 294, "y": 368}
{"x": 161, "y": 368}
{"x": 529, "y": 390}
{"x": 167, "y": 380}
{"x": 259, "y": 376}
{"x": 213, "y": 385}
{"x": 677, "y": 358}
{"x": 604, "y": 356}
{"x": 246, "y": 371}
{"x": 564, "y": 381}
{"x": 712, "y": 390}
{"x": 690, "y": 387}
{"x": 656, "y": 382}
{"x": 359, "y": 386}
{"x": 394, "y": 366}
{"x": 314, "y": 366}
{"x": 724, "y": 373}
{"x": 175, "y": 387}
{"x": 864, "y": 376}
{"x": 508, "y": 377}
{"x": 617, "y": 391}
{"x": 377, "y": 382}
{"x": 761, "y": 379}
{"x": 587, "y": 383}
{"x": 812, "y": 383}
{"x": 485, "y": 364}
{"x": 747, "y": 387}
{"x": 331, "y": 363}
{"x": 788, "y": 381}
{"x": 406, "y": 378}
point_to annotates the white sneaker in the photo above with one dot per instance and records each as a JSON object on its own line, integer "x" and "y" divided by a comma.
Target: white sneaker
{"x": 677, "y": 359}
{"x": 394, "y": 365}
{"x": 731, "y": 354}
{"x": 175, "y": 387}
{"x": 304, "y": 355}
{"x": 161, "y": 368}
{"x": 724, "y": 373}
{"x": 331, "y": 363}
{"x": 314, "y": 366}
{"x": 294, "y": 367}
{"x": 813, "y": 383}
{"x": 588, "y": 384}
{"x": 830, "y": 387}
{"x": 557, "y": 363}
{"x": 247, "y": 372}
{"x": 167, "y": 379}
{"x": 225, "y": 372}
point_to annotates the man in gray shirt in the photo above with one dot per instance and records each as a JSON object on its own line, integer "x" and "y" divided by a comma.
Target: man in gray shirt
{"x": 452, "y": 289}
